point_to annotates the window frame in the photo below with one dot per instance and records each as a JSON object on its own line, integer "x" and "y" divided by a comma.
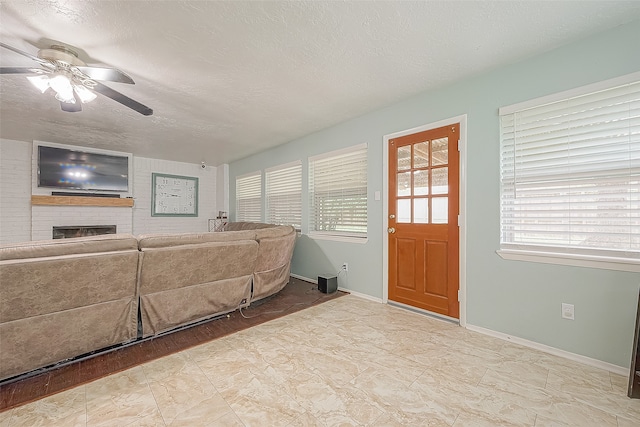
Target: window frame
{"x": 622, "y": 260}
{"x": 361, "y": 192}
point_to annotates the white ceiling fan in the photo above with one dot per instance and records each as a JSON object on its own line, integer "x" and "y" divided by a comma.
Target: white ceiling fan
{"x": 73, "y": 81}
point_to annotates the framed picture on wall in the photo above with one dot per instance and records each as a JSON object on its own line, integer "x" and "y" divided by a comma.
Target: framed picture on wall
{"x": 174, "y": 195}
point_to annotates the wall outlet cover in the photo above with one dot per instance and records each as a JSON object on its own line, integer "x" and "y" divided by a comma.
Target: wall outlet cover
{"x": 568, "y": 311}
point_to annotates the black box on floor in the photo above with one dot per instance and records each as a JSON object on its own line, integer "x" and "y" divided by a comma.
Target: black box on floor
{"x": 327, "y": 283}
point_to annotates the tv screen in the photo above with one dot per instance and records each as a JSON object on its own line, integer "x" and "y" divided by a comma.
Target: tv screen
{"x": 80, "y": 170}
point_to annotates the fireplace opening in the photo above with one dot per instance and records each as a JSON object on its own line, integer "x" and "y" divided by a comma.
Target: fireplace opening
{"x": 68, "y": 232}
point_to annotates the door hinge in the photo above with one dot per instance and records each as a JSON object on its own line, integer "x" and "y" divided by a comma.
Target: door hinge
{"x": 459, "y": 220}
{"x": 458, "y": 295}
{"x": 459, "y": 145}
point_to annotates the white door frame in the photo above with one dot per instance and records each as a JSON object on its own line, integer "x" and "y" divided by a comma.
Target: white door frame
{"x": 463, "y": 207}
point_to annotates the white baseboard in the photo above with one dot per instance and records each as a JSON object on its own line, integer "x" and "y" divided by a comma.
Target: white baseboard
{"x": 620, "y": 370}
{"x": 361, "y": 295}
{"x": 355, "y": 294}
{"x": 306, "y": 279}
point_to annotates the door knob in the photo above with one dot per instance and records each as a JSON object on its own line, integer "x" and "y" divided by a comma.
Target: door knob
{"x": 391, "y": 230}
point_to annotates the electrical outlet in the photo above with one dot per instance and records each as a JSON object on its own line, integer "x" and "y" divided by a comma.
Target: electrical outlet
{"x": 345, "y": 267}
{"x": 567, "y": 311}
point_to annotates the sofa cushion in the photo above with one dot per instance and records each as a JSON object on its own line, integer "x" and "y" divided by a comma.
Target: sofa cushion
{"x": 178, "y": 267}
{"x": 277, "y": 231}
{"x": 273, "y": 263}
{"x": 37, "y": 286}
{"x": 169, "y": 240}
{"x": 186, "y": 283}
{"x": 78, "y": 245}
{"x": 275, "y": 252}
{"x": 245, "y": 225}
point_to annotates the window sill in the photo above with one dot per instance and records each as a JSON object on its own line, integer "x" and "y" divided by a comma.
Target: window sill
{"x": 591, "y": 261}
{"x": 336, "y": 238}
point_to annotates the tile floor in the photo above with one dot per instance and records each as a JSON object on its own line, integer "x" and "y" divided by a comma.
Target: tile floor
{"x": 347, "y": 362}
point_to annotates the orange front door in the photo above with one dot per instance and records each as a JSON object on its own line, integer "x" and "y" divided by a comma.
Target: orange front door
{"x": 424, "y": 171}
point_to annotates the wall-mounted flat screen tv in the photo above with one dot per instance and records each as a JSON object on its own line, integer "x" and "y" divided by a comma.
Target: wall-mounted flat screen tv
{"x": 80, "y": 170}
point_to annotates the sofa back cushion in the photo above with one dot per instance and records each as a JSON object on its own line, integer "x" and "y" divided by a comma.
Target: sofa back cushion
{"x": 75, "y": 246}
{"x": 180, "y": 266}
{"x": 146, "y": 241}
{"x": 245, "y": 225}
{"x": 49, "y": 284}
{"x": 275, "y": 231}
{"x": 275, "y": 251}
{"x": 180, "y": 284}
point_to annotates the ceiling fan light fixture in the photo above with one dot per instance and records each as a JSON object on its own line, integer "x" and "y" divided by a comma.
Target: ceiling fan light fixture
{"x": 41, "y": 82}
{"x": 72, "y": 80}
{"x": 64, "y": 88}
{"x": 61, "y": 84}
{"x": 84, "y": 94}
{"x": 64, "y": 91}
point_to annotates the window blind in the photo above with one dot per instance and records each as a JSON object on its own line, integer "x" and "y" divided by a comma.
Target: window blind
{"x": 338, "y": 192}
{"x": 283, "y": 191}
{"x": 249, "y": 197}
{"x": 570, "y": 174}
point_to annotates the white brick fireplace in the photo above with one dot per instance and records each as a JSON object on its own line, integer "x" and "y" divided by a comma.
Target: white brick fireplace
{"x": 44, "y": 218}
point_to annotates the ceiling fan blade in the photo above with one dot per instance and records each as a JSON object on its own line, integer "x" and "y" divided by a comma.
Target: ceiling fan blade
{"x": 23, "y": 53}
{"x": 105, "y": 74}
{"x": 19, "y": 70}
{"x": 123, "y": 99}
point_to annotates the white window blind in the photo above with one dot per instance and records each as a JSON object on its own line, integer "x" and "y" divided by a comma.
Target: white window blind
{"x": 338, "y": 192}
{"x": 249, "y": 197}
{"x": 570, "y": 174}
{"x": 283, "y": 190}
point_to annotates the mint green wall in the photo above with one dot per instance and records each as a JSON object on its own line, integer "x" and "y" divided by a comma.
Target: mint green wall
{"x": 517, "y": 298}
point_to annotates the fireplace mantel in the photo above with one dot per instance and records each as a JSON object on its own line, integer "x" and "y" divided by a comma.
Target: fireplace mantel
{"x": 111, "y": 202}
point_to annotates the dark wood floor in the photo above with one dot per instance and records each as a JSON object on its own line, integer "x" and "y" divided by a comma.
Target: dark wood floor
{"x": 296, "y": 296}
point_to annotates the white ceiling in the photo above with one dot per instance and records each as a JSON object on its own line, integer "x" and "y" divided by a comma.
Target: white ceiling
{"x": 229, "y": 79}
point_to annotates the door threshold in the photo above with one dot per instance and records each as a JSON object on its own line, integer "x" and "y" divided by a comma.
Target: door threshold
{"x": 428, "y": 313}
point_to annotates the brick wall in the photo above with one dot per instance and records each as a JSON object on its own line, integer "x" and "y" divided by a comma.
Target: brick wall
{"x": 15, "y": 191}
{"x": 20, "y": 222}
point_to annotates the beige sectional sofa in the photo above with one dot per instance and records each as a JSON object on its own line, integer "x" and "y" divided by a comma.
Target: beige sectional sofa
{"x": 63, "y": 298}
{"x": 275, "y": 250}
{"x": 186, "y": 278}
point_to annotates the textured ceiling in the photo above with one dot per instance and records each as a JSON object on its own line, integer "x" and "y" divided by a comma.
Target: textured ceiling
{"x": 229, "y": 79}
